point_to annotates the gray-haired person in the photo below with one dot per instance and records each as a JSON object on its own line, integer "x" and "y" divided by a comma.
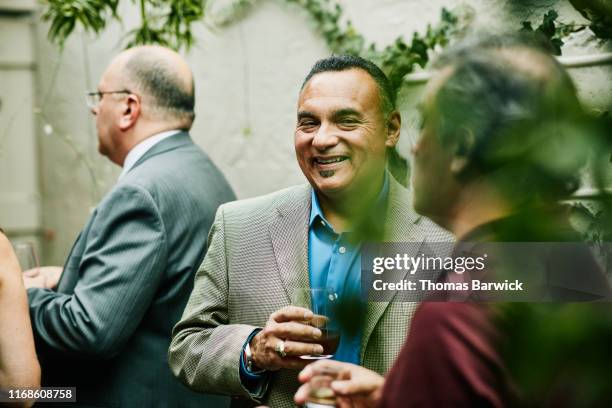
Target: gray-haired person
{"x": 106, "y": 327}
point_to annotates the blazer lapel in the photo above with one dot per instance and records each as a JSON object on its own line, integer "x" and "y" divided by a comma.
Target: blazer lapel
{"x": 289, "y": 235}
{"x": 400, "y": 226}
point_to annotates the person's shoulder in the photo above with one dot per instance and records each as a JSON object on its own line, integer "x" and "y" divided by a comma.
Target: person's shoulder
{"x": 3, "y": 239}
{"x": 434, "y": 232}
{"x": 404, "y": 220}
{"x": 8, "y": 261}
{"x": 400, "y": 203}
{"x": 270, "y": 203}
{"x": 5, "y": 246}
{"x": 126, "y": 194}
{"x": 444, "y": 321}
{"x": 184, "y": 168}
{"x": 183, "y": 161}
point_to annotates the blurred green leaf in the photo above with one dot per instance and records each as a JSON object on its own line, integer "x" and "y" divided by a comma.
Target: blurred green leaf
{"x": 599, "y": 12}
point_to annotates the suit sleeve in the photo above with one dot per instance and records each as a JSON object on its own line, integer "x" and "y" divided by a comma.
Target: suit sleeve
{"x": 206, "y": 349}
{"x": 119, "y": 273}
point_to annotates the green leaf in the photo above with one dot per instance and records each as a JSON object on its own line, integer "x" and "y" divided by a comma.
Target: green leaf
{"x": 526, "y": 27}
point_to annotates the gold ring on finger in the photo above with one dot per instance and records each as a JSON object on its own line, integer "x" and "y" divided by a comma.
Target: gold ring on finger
{"x": 280, "y": 349}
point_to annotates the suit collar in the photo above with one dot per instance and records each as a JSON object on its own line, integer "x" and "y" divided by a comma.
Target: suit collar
{"x": 170, "y": 143}
{"x": 142, "y": 148}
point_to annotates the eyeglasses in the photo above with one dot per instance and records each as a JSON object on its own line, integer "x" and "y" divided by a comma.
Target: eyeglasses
{"x": 94, "y": 98}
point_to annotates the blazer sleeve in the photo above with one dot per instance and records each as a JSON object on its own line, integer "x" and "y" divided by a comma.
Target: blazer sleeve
{"x": 206, "y": 349}
{"x": 119, "y": 273}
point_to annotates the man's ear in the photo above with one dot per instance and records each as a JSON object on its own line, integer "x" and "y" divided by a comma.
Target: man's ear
{"x": 458, "y": 164}
{"x": 462, "y": 151}
{"x": 394, "y": 123}
{"x": 130, "y": 112}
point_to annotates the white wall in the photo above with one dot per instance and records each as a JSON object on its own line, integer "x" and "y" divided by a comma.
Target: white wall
{"x": 247, "y": 77}
{"x": 20, "y": 201}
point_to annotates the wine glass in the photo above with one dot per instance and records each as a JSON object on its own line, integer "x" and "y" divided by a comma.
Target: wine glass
{"x": 322, "y": 302}
{"x": 28, "y": 260}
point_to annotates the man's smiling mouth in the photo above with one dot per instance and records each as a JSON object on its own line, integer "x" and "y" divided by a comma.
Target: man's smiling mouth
{"x": 330, "y": 160}
{"x": 327, "y": 166}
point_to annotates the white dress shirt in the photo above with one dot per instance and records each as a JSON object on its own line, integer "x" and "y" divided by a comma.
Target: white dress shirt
{"x": 141, "y": 148}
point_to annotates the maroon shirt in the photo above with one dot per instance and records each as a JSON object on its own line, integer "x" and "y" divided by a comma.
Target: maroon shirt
{"x": 450, "y": 359}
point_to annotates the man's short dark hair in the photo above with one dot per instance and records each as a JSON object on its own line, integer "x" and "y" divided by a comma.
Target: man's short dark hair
{"x": 337, "y": 63}
{"x": 507, "y": 105}
{"x": 158, "y": 81}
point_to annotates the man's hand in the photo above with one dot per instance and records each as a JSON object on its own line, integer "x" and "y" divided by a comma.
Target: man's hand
{"x": 288, "y": 325}
{"x": 37, "y": 281}
{"x": 45, "y": 277}
{"x": 354, "y": 386}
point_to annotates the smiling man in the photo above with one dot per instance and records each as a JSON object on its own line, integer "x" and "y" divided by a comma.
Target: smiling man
{"x": 238, "y": 335}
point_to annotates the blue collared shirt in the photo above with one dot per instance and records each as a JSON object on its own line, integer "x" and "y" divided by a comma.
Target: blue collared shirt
{"x": 334, "y": 261}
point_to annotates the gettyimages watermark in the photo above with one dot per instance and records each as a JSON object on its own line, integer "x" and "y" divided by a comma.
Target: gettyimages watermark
{"x": 486, "y": 272}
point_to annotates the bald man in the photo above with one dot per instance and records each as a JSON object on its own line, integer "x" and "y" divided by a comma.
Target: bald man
{"x": 105, "y": 327}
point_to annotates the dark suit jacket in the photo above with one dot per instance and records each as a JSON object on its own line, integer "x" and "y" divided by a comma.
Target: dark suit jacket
{"x": 126, "y": 281}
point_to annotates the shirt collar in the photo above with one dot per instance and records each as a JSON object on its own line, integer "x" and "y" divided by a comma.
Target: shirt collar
{"x": 141, "y": 148}
{"x": 316, "y": 212}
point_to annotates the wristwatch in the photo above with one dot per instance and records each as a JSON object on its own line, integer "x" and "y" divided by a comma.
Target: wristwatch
{"x": 248, "y": 358}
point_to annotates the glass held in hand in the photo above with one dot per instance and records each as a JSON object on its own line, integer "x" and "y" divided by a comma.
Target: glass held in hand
{"x": 322, "y": 302}
{"x": 321, "y": 394}
{"x": 28, "y": 260}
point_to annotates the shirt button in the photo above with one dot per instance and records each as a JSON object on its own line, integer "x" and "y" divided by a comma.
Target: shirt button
{"x": 323, "y": 223}
{"x": 342, "y": 249}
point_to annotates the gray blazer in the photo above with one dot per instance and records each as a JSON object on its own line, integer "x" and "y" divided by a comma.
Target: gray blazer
{"x": 106, "y": 330}
{"x": 258, "y": 252}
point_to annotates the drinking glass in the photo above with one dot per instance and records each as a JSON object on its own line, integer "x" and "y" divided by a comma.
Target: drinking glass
{"x": 321, "y": 394}
{"x": 323, "y": 303}
{"x": 26, "y": 255}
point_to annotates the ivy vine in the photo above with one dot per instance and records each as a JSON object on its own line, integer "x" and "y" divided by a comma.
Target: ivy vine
{"x": 169, "y": 23}
{"x": 396, "y": 59}
{"x": 553, "y": 30}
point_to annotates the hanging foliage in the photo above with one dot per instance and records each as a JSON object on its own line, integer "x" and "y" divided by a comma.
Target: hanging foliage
{"x": 163, "y": 22}
{"x": 169, "y": 22}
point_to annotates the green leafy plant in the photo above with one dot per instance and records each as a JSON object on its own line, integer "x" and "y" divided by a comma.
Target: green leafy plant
{"x": 396, "y": 59}
{"x": 552, "y": 29}
{"x": 400, "y": 58}
{"x": 326, "y": 18}
{"x": 168, "y": 23}
{"x": 164, "y": 22}
{"x": 64, "y": 16}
